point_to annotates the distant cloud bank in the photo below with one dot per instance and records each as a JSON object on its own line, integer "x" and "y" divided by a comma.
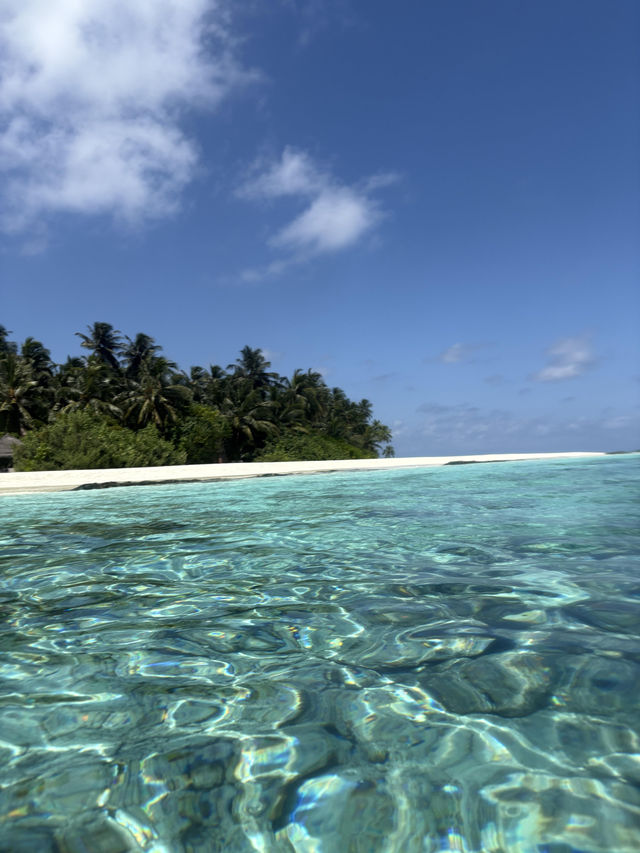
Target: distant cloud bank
{"x": 464, "y": 428}
{"x": 566, "y": 359}
{"x": 90, "y": 103}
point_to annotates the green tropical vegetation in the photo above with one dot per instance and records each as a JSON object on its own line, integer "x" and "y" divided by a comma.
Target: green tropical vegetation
{"x": 290, "y": 447}
{"x": 85, "y": 439}
{"x": 124, "y": 404}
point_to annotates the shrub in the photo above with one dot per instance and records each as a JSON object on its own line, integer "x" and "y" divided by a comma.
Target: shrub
{"x": 78, "y": 440}
{"x": 295, "y": 447}
{"x": 201, "y": 435}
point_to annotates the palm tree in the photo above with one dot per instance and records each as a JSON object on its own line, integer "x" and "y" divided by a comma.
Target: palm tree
{"x": 6, "y": 345}
{"x": 68, "y": 380}
{"x": 375, "y": 434}
{"x": 252, "y": 365}
{"x": 20, "y": 397}
{"x": 135, "y": 353}
{"x": 217, "y": 382}
{"x": 155, "y": 397}
{"x": 198, "y": 380}
{"x": 310, "y": 386}
{"x": 250, "y": 419}
{"x": 300, "y": 400}
{"x": 38, "y": 362}
{"x": 104, "y": 342}
{"x": 37, "y": 356}
{"x": 90, "y": 386}
{"x": 208, "y": 386}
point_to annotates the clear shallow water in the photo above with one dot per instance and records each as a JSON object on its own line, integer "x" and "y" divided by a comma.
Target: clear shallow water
{"x": 421, "y": 660}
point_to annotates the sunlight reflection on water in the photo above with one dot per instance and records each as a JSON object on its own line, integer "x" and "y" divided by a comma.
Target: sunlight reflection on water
{"x": 409, "y": 660}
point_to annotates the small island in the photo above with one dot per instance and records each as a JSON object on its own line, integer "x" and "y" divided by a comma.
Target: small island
{"x": 125, "y": 405}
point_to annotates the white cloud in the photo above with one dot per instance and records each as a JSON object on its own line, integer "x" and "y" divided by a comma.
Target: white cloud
{"x": 272, "y": 354}
{"x": 460, "y": 353}
{"x": 336, "y": 216}
{"x": 294, "y": 174}
{"x": 566, "y": 359}
{"x": 453, "y": 354}
{"x": 334, "y": 220}
{"x": 252, "y": 275}
{"x": 91, "y": 94}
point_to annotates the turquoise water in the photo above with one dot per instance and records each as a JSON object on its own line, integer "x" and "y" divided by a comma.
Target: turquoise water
{"x": 418, "y": 660}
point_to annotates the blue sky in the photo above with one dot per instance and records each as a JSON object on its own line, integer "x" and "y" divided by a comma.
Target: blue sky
{"x": 436, "y": 204}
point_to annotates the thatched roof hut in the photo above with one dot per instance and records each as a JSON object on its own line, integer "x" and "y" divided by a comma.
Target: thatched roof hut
{"x": 8, "y": 444}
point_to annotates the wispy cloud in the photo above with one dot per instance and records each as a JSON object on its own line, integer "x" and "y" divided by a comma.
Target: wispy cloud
{"x": 566, "y": 359}
{"x": 459, "y": 353}
{"x": 454, "y": 354}
{"x": 91, "y": 100}
{"x": 336, "y": 216}
{"x": 316, "y": 16}
{"x": 471, "y": 429}
{"x": 495, "y": 379}
{"x": 624, "y": 421}
{"x": 465, "y": 428}
{"x": 272, "y": 354}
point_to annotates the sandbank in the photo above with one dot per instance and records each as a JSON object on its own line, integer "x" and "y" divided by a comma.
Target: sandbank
{"x": 15, "y": 483}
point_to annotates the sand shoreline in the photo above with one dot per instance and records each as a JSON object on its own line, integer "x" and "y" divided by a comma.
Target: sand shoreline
{"x": 20, "y": 483}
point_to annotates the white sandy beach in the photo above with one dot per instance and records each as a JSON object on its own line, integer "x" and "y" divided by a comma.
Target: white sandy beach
{"x": 60, "y": 481}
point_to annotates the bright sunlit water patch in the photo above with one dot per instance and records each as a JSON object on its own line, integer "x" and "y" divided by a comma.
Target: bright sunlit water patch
{"x": 409, "y": 661}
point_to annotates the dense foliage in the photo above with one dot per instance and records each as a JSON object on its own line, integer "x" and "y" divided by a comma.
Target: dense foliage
{"x": 86, "y": 440}
{"x": 294, "y": 446}
{"x": 125, "y": 404}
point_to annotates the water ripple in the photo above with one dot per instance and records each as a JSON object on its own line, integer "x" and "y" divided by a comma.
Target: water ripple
{"x": 400, "y": 661}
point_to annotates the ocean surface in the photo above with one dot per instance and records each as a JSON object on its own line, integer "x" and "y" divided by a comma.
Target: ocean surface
{"x": 407, "y": 661}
